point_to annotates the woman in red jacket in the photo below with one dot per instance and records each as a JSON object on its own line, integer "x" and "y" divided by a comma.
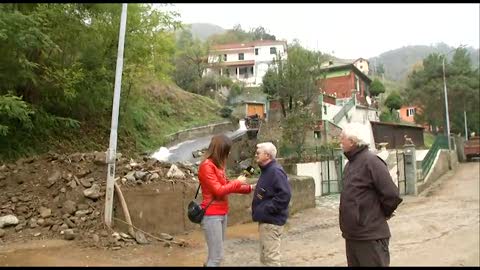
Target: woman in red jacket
{"x": 215, "y": 188}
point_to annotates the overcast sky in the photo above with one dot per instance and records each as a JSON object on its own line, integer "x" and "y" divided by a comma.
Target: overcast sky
{"x": 348, "y": 30}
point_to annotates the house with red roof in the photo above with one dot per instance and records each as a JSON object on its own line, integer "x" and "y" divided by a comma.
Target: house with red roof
{"x": 246, "y": 62}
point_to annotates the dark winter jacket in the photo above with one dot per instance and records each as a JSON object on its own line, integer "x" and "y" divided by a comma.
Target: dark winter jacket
{"x": 272, "y": 195}
{"x": 368, "y": 198}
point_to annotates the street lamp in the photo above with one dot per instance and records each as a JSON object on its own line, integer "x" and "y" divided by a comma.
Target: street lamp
{"x": 446, "y": 104}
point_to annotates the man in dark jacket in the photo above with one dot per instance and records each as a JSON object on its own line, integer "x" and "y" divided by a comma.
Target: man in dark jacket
{"x": 270, "y": 203}
{"x": 368, "y": 199}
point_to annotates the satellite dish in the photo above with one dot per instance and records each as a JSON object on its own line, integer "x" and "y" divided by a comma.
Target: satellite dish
{"x": 369, "y": 101}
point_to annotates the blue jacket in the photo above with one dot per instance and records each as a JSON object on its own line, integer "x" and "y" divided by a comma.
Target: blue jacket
{"x": 272, "y": 195}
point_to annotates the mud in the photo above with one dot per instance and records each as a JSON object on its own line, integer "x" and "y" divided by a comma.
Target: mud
{"x": 438, "y": 228}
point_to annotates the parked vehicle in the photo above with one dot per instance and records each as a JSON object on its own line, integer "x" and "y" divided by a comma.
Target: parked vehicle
{"x": 471, "y": 147}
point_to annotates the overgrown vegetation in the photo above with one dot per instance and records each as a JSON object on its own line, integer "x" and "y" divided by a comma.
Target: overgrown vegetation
{"x": 292, "y": 82}
{"x": 57, "y": 68}
{"x": 426, "y": 89}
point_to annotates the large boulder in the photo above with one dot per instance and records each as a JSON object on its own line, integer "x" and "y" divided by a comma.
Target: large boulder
{"x": 175, "y": 172}
{"x": 8, "y": 220}
{"x": 93, "y": 192}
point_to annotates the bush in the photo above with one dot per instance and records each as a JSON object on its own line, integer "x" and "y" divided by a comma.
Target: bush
{"x": 389, "y": 117}
{"x": 235, "y": 91}
{"x": 226, "y": 112}
{"x": 225, "y": 81}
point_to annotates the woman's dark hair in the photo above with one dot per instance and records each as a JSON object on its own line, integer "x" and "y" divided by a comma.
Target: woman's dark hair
{"x": 218, "y": 150}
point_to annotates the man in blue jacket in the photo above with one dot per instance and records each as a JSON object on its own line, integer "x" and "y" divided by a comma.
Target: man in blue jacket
{"x": 270, "y": 203}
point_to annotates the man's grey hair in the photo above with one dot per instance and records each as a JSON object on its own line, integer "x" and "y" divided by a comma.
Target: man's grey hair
{"x": 358, "y": 133}
{"x": 268, "y": 148}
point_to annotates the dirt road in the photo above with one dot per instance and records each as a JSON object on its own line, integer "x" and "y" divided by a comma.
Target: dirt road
{"x": 438, "y": 228}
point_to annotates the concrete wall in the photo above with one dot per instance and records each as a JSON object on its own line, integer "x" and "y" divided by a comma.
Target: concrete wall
{"x": 318, "y": 170}
{"x": 161, "y": 207}
{"x": 196, "y": 132}
{"x": 439, "y": 168}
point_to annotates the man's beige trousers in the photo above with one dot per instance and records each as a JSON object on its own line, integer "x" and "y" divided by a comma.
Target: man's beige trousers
{"x": 270, "y": 238}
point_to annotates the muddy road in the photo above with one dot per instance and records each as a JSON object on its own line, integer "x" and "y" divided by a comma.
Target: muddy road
{"x": 438, "y": 228}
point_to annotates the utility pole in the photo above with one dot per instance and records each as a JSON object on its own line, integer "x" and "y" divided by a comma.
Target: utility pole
{"x": 466, "y": 129}
{"x": 446, "y": 104}
{"x": 112, "y": 149}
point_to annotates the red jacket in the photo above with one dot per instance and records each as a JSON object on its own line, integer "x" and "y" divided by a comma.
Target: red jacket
{"x": 215, "y": 185}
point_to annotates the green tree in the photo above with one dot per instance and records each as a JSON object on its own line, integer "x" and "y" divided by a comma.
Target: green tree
{"x": 294, "y": 129}
{"x": 260, "y": 33}
{"x": 190, "y": 62}
{"x": 463, "y": 88}
{"x": 237, "y": 35}
{"x": 293, "y": 81}
{"x": 394, "y": 101}
{"x": 60, "y": 60}
{"x": 426, "y": 89}
{"x": 376, "y": 88}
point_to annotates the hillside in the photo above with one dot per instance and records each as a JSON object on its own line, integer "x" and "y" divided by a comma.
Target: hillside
{"x": 397, "y": 63}
{"x": 204, "y": 30}
{"x": 144, "y": 122}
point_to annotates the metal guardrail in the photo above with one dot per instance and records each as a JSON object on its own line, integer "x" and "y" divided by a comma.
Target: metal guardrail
{"x": 441, "y": 142}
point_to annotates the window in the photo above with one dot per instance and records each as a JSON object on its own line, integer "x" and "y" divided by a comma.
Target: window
{"x": 325, "y": 109}
{"x": 242, "y": 70}
{"x": 251, "y": 70}
{"x": 224, "y": 57}
{"x": 273, "y": 50}
{"x": 361, "y": 67}
{"x": 317, "y": 134}
{"x": 410, "y": 111}
{"x": 256, "y": 51}
{"x": 241, "y": 56}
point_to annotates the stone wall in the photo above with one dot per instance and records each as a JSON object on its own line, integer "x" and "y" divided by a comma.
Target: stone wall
{"x": 161, "y": 208}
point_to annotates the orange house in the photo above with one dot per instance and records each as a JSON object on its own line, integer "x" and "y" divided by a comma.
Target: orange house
{"x": 407, "y": 113}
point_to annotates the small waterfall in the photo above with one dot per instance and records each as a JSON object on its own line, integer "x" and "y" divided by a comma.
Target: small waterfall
{"x": 242, "y": 125}
{"x": 162, "y": 154}
{"x": 183, "y": 150}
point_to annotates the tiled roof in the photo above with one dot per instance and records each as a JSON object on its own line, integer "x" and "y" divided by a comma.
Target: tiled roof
{"x": 251, "y": 44}
{"x": 349, "y": 66}
{"x": 240, "y": 63}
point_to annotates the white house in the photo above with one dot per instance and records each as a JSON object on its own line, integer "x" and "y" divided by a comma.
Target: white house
{"x": 246, "y": 62}
{"x": 361, "y": 63}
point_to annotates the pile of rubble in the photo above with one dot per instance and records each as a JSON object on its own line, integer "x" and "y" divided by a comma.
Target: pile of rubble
{"x": 54, "y": 196}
